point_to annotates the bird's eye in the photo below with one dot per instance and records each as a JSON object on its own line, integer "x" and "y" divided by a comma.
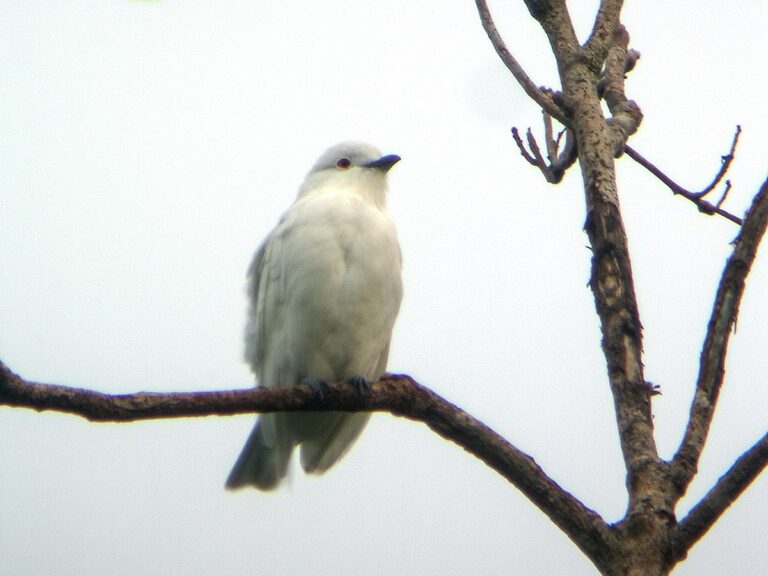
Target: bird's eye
{"x": 344, "y": 163}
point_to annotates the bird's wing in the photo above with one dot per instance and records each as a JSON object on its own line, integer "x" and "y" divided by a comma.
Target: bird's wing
{"x": 381, "y": 366}
{"x": 266, "y": 293}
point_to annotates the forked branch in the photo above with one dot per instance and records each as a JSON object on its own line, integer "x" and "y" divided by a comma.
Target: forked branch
{"x": 558, "y": 161}
{"x": 698, "y": 198}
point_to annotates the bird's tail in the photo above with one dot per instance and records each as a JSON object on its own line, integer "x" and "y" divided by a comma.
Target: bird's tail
{"x": 264, "y": 460}
{"x": 331, "y": 440}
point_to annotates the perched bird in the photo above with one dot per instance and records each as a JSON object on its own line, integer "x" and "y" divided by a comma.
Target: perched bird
{"x": 324, "y": 290}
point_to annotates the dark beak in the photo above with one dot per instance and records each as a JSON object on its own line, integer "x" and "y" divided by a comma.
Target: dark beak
{"x": 384, "y": 163}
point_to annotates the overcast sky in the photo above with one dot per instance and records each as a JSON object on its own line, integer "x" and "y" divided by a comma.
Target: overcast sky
{"x": 147, "y": 147}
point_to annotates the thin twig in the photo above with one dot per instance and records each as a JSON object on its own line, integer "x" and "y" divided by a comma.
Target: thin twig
{"x": 523, "y": 150}
{"x": 552, "y": 144}
{"x": 725, "y": 194}
{"x": 697, "y": 198}
{"x": 714, "y": 351}
{"x": 727, "y": 159}
{"x": 557, "y": 161}
{"x": 567, "y": 156}
{"x": 530, "y": 87}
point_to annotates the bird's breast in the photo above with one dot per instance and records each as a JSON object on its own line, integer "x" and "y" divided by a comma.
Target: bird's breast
{"x": 343, "y": 286}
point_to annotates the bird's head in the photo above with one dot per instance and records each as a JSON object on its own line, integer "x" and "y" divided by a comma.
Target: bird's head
{"x": 351, "y": 164}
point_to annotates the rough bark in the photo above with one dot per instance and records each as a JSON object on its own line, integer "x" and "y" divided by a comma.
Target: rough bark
{"x": 648, "y": 540}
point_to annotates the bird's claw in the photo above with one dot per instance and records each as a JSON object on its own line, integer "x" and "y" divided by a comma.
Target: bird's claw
{"x": 318, "y": 386}
{"x": 362, "y": 386}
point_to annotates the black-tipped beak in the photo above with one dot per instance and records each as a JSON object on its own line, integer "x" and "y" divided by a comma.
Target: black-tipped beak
{"x": 384, "y": 163}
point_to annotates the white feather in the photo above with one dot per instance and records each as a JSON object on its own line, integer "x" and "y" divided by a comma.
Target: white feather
{"x": 324, "y": 291}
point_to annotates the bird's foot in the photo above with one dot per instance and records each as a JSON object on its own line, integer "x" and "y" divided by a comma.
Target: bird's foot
{"x": 318, "y": 386}
{"x": 362, "y": 386}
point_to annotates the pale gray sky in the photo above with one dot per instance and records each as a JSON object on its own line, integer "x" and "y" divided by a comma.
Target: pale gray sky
{"x": 147, "y": 147}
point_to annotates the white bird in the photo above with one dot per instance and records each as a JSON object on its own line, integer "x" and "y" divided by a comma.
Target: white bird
{"x": 324, "y": 290}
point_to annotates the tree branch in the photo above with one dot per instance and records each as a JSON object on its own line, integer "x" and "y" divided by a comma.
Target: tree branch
{"x": 539, "y": 96}
{"x": 605, "y": 24}
{"x": 556, "y": 22}
{"x": 588, "y": 75}
{"x": 558, "y": 161}
{"x": 725, "y": 492}
{"x": 611, "y": 278}
{"x": 397, "y": 394}
{"x": 626, "y": 115}
{"x": 697, "y": 198}
{"x": 612, "y": 284}
{"x": 712, "y": 363}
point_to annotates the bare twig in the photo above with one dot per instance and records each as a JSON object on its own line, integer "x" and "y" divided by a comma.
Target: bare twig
{"x": 727, "y": 159}
{"x": 730, "y": 486}
{"x": 568, "y": 156}
{"x": 697, "y": 198}
{"x": 712, "y": 362}
{"x": 552, "y": 144}
{"x": 557, "y": 161}
{"x": 539, "y": 96}
{"x": 397, "y": 394}
{"x": 534, "y": 147}
{"x": 523, "y": 150}
{"x": 725, "y": 194}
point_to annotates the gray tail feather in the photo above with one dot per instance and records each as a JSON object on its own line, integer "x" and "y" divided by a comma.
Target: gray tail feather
{"x": 324, "y": 450}
{"x": 260, "y": 464}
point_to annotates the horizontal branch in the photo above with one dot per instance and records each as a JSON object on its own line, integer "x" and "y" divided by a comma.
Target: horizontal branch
{"x": 714, "y": 351}
{"x": 397, "y": 394}
{"x": 100, "y": 407}
{"x": 725, "y": 492}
